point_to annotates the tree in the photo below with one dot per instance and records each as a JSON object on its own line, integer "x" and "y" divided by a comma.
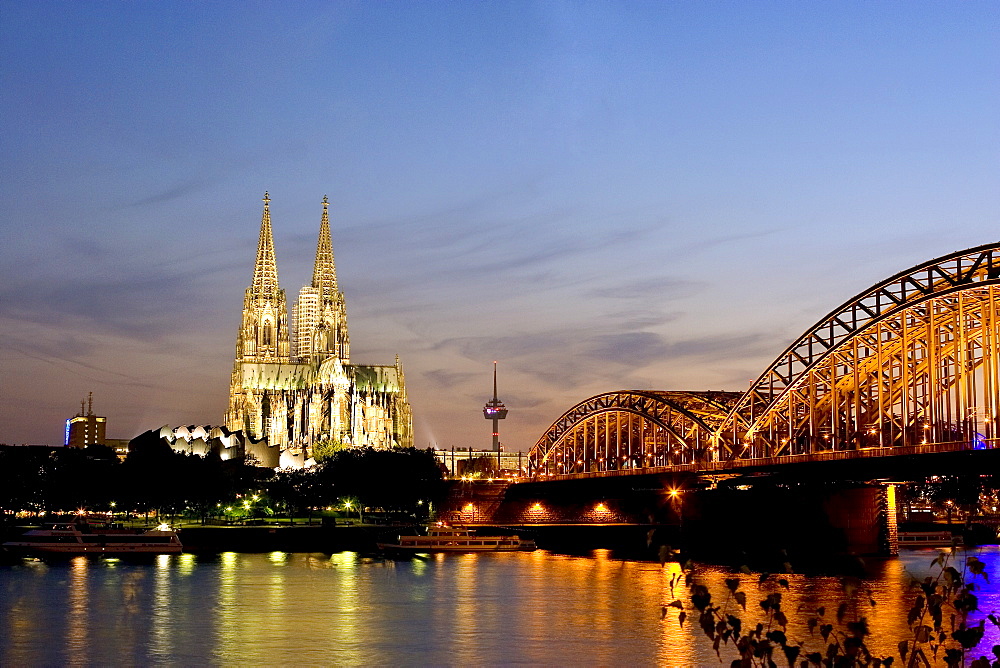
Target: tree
{"x": 479, "y": 467}
{"x": 938, "y": 620}
{"x": 388, "y": 479}
{"x": 326, "y": 448}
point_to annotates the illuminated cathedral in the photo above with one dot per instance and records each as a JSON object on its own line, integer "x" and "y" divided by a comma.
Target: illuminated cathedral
{"x": 293, "y": 384}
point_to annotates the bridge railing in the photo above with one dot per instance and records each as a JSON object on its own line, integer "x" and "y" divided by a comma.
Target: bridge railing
{"x": 736, "y": 464}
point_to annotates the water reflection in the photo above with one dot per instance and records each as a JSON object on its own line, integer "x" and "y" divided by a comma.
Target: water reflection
{"x": 224, "y": 616}
{"x": 484, "y": 609}
{"x": 77, "y": 628}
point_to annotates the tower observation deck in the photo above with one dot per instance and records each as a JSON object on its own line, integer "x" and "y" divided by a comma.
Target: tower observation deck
{"x": 496, "y": 411}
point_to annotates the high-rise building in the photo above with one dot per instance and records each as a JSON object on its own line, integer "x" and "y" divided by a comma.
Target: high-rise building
{"x": 85, "y": 428}
{"x": 297, "y": 388}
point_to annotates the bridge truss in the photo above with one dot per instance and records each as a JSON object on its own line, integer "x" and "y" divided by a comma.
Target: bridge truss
{"x": 913, "y": 361}
{"x": 632, "y": 429}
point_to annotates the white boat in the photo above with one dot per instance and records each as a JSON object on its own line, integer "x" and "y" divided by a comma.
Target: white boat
{"x": 443, "y": 538}
{"x": 928, "y": 539}
{"x": 91, "y": 536}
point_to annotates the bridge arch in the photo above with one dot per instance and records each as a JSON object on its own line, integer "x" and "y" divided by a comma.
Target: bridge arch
{"x": 912, "y": 360}
{"x": 630, "y": 429}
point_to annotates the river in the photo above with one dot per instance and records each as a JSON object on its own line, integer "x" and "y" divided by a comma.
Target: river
{"x": 279, "y": 608}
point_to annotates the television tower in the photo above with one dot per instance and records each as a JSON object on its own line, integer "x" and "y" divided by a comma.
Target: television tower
{"x": 496, "y": 411}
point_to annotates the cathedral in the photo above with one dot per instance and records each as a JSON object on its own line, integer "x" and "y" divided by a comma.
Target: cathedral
{"x": 293, "y": 384}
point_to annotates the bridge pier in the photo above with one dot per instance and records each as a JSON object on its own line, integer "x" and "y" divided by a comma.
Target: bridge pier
{"x": 801, "y": 520}
{"x": 804, "y": 520}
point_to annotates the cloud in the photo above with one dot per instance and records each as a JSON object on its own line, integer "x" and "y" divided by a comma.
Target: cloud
{"x": 710, "y": 243}
{"x": 640, "y": 319}
{"x": 447, "y": 380}
{"x": 665, "y": 287}
{"x": 629, "y": 349}
{"x": 723, "y": 346}
{"x": 176, "y": 192}
{"x": 144, "y": 307}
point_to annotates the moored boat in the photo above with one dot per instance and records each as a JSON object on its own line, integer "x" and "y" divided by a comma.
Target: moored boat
{"x": 443, "y": 538}
{"x": 93, "y": 536}
{"x": 928, "y": 539}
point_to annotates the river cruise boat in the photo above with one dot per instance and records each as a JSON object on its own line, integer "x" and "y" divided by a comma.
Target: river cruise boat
{"x": 91, "y": 536}
{"x": 442, "y": 538}
{"x": 928, "y": 539}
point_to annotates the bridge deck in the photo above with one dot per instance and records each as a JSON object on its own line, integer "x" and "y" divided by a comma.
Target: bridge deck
{"x": 737, "y": 465}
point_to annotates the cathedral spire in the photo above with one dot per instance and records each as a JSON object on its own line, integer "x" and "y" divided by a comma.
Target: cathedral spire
{"x": 325, "y": 271}
{"x": 265, "y": 272}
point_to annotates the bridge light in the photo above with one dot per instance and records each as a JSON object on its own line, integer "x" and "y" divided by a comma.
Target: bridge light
{"x": 674, "y": 493}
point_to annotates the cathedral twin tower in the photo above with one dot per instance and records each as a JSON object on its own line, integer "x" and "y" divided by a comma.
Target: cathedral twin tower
{"x": 295, "y": 386}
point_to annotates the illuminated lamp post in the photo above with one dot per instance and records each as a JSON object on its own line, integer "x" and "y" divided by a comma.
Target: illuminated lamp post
{"x": 496, "y": 411}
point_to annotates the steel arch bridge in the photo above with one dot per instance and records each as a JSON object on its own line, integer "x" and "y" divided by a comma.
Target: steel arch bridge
{"x": 910, "y": 364}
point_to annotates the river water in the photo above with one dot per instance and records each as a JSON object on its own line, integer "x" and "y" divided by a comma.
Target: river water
{"x": 537, "y": 608}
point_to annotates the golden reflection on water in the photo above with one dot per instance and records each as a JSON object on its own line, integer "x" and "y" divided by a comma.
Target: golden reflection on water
{"x": 77, "y": 624}
{"x": 161, "y": 640}
{"x": 345, "y": 609}
{"x": 276, "y": 588}
{"x": 225, "y": 616}
{"x": 186, "y": 563}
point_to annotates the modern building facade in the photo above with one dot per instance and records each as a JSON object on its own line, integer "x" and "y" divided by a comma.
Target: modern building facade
{"x": 85, "y": 428}
{"x": 293, "y": 384}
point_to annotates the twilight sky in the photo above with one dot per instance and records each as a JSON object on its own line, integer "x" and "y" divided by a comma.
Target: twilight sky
{"x": 600, "y": 195}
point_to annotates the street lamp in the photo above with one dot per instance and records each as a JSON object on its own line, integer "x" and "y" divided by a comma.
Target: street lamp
{"x": 350, "y": 504}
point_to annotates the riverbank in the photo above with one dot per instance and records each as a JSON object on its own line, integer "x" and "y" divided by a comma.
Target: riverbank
{"x": 626, "y": 541}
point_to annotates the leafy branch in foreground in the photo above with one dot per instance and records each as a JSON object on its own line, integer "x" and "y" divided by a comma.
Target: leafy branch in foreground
{"x": 938, "y": 621}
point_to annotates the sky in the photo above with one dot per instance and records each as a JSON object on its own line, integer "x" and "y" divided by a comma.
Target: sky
{"x": 598, "y": 195}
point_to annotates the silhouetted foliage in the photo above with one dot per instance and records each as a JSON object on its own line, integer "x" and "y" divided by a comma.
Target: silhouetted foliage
{"x": 389, "y": 479}
{"x": 154, "y": 477}
{"x": 326, "y": 448}
{"x": 482, "y": 466}
{"x": 938, "y": 620}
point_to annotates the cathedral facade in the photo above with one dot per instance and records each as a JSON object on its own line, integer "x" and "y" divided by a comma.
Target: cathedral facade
{"x": 293, "y": 383}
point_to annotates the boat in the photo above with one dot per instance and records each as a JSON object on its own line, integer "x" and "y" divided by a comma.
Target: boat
{"x": 444, "y": 538}
{"x": 928, "y": 539}
{"x": 95, "y": 536}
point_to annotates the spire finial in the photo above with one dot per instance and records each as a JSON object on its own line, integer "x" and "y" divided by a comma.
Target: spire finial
{"x": 324, "y": 270}
{"x": 265, "y": 271}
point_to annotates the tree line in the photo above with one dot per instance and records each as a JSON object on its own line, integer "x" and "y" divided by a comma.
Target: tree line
{"x": 153, "y": 477}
